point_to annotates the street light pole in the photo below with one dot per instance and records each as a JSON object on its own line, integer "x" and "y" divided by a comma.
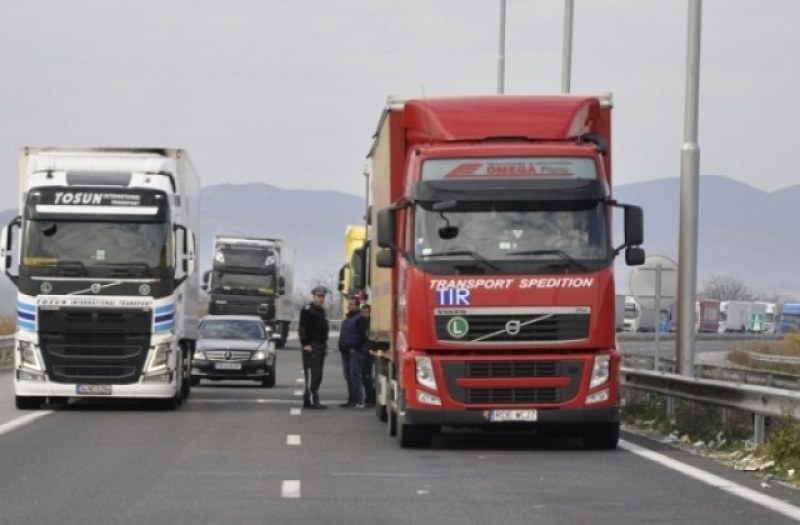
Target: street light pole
{"x": 501, "y": 57}
{"x": 566, "y": 56}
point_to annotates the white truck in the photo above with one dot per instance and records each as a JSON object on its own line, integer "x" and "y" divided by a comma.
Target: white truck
{"x": 734, "y": 316}
{"x": 252, "y": 276}
{"x": 104, "y": 255}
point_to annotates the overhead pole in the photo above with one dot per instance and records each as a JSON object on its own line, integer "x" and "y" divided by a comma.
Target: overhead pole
{"x": 689, "y": 198}
{"x": 566, "y": 54}
{"x": 501, "y": 56}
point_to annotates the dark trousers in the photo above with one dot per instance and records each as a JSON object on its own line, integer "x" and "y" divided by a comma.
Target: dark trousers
{"x": 346, "y": 370}
{"x": 313, "y": 363}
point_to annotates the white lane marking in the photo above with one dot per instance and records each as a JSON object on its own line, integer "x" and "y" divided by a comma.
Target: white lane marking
{"x": 224, "y": 400}
{"x": 290, "y": 488}
{"x": 293, "y": 439}
{"x": 21, "y": 421}
{"x": 298, "y": 392}
{"x": 300, "y": 380}
{"x": 713, "y": 480}
{"x": 295, "y": 411}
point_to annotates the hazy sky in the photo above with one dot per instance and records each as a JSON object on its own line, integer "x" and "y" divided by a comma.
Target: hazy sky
{"x": 289, "y": 93}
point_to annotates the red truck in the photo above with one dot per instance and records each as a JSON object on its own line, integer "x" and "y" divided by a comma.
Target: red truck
{"x": 491, "y": 266}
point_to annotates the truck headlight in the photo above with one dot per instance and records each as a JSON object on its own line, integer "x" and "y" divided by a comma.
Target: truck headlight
{"x": 425, "y": 376}
{"x": 199, "y": 354}
{"x": 600, "y": 370}
{"x": 160, "y": 358}
{"x": 219, "y": 257}
{"x": 27, "y": 355}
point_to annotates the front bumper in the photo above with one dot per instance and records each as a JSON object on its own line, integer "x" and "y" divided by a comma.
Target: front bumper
{"x": 255, "y": 370}
{"x": 476, "y": 417}
{"x": 140, "y": 390}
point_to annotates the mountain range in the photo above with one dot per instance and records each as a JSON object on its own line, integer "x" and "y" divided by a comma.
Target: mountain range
{"x": 743, "y": 232}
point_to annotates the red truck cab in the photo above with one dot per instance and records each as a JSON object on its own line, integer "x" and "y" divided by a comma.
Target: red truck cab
{"x": 492, "y": 266}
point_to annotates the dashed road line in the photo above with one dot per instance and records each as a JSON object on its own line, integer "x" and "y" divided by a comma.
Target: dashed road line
{"x": 21, "y": 421}
{"x": 293, "y": 439}
{"x": 290, "y": 488}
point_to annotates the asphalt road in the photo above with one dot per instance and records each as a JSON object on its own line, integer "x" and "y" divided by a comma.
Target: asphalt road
{"x": 240, "y": 453}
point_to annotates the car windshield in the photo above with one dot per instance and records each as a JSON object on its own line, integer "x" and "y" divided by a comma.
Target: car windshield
{"x": 232, "y": 329}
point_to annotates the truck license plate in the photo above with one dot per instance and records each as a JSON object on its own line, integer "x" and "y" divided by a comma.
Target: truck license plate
{"x": 93, "y": 390}
{"x": 502, "y": 416}
{"x": 228, "y": 366}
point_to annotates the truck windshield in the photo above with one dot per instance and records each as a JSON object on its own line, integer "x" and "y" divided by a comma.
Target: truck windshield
{"x": 242, "y": 284}
{"x": 84, "y": 244}
{"x": 509, "y": 231}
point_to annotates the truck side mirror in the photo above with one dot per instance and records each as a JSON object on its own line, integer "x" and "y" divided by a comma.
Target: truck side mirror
{"x": 342, "y": 271}
{"x": 6, "y": 246}
{"x": 634, "y": 256}
{"x": 634, "y": 226}
{"x": 386, "y": 228}
{"x": 281, "y": 285}
{"x": 385, "y": 258}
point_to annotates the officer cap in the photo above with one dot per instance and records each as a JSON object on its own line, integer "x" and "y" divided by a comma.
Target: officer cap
{"x": 319, "y": 290}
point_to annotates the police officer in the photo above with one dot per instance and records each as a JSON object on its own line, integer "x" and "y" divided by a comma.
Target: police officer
{"x": 313, "y": 333}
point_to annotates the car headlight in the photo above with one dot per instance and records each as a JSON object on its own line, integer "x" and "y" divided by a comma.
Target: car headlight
{"x": 600, "y": 370}
{"x": 258, "y": 356}
{"x": 425, "y": 376}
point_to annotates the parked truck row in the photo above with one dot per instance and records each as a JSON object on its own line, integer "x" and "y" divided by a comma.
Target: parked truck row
{"x": 714, "y": 316}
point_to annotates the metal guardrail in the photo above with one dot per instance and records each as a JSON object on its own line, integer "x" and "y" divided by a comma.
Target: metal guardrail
{"x": 761, "y": 400}
{"x": 6, "y": 349}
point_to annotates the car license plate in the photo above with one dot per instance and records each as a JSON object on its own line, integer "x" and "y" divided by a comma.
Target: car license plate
{"x": 228, "y": 366}
{"x": 93, "y": 390}
{"x": 503, "y": 416}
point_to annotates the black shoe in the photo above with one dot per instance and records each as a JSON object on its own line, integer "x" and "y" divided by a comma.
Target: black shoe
{"x": 319, "y": 406}
{"x": 347, "y": 405}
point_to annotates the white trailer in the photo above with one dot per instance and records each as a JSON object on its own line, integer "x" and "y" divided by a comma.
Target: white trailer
{"x": 734, "y": 316}
{"x": 105, "y": 260}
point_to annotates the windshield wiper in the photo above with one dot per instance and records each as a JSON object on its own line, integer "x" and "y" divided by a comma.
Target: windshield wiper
{"x": 119, "y": 269}
{"x": 561, "y": 253}
{"x": 70, "y": 267}
{"x": 475, "y": 255}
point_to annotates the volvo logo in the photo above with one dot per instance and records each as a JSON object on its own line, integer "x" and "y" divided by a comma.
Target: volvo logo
{"x": 96, "y": 287}
{"x": 46, "y": 287}
{"x": 513, "y": 327}
{"x": 144, "y": 289}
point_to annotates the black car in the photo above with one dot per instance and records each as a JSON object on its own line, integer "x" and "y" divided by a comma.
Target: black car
{"x": 234, "y": 347}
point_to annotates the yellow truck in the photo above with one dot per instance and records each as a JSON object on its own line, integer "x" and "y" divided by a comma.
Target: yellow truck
{"x": 351, "y": 275}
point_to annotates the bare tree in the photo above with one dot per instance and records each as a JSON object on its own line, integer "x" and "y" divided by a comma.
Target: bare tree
{"x": 725, "y": 288}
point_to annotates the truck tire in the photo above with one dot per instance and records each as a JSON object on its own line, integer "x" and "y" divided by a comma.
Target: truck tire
{"x": 28, "y": 402}
{"x": 413, "y": 436}
{"x": 186, "y": 385}
{"x": 391, "y": 421}
{"x": 601, "y": 436}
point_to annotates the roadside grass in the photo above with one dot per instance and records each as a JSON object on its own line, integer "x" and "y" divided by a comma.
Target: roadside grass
{"x": 721, "y": 434}
{"x": 789, "y": 346}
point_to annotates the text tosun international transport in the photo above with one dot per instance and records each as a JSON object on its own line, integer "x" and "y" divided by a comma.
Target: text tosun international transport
{"x": 491, "y": 266}
{"x": 108, "y": 292}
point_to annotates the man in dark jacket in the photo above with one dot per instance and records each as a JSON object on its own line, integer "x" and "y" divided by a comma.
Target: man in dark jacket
{"x": 313, "y": 333}
{"x": 352, "y": 344}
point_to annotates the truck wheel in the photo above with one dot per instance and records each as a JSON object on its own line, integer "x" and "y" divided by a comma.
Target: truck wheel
{"x": 391, "y": 421}
{"x": 413, "y": 436}
{"x": 380, "y": 412}
{"x": 28, "y": 402}
{"x": 186, "y": 385}
{"x": 195, "y": 381}
{"x": 602, "y": 436}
